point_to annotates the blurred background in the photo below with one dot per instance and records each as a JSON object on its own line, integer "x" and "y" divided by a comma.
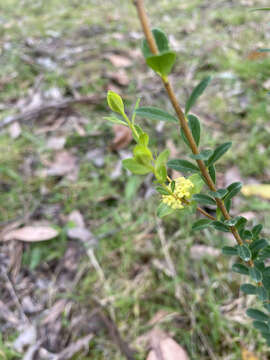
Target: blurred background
{"x": 109, "y": 272}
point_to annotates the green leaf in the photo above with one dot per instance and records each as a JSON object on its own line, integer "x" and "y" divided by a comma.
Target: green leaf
{"x": 233, "y": 189}
{"x": 164, "y": 210}
{"x": 132, "y": 186}
{"x": 259, "y": 265}
{"x": 255, "y": 274}
{"x": 244, "y": 252}
{"x": 228, "y": 203}
{"x": 115, "y": 120}
{"x": 162, "y": 158}
{"x": 266, "y": 271}
{"x": 135, "y": 167}
{"x": 257, "y": 314}
{"x": 142, "y": 154}
{"x": 162, "y": 64}
{"x": 204, "y": 199}
{"x": 196, "y": 93}
{"x": 201, "y": 224}
{"x": 266, "y": 336}
{"x": 203, "y": 155}
{"x": 219, "y": 193}
{"x": 245, "y": 234}
{"x": 265, "y": 253}
{"x": 262, "y": 293}
{"x": 264, "y": 50}
{"x": 134, "y": 111}
{"x": 261, "y": 9}
{"x": 240, "y": 268}
{"x": 143, "y": 139}
{"x": 241, "y": 222}
{"x": 154, "y": 113}
{"x": 218, "y": 225}
{"x": 195, "y": 128}
{"x": 173, "y": 185}
{"x": 261, "y": 326}
{"x": 161, "y": 174}
{"x": 212, "y": 173}
{"x": 256, "y": 230}
{"x": 248, "y": 289}
{"x": 182, "y": 165}
{"x": 231, "y": 222}
{"x": 161, "y": 42}
{"x": 162, "y": 190}
{"x": 160, "y": 168}
{"x": 229, "y": 250}
{"x": 258, "y": 244}
{"x": 218, "y": 153}
{"x": 115, "y": 102}
{"x": 266, "y": 282}
{"x": 139, "y": 130}
{"x": 198, "y": 183}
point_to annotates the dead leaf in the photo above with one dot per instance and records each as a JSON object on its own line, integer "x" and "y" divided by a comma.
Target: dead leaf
{"x": 266, "y": 84}
{"x": 31, "y": 234}
{"x": 97, "y": 156}
{"x": 76, "y": 217}
{"x": 7, "y": 315}
{"x": 165, "y": 348}
{"x": 113, "y": 87}
{"x": 56, "y": 143}
{"x": 15, "y": 130}
{"x": 247, "y": 355}
{"x": 54, "y": 312}
{"x": 26, "y": 337}
{"x": 122, "y": 137}
{"x": 120, "y": 77}
{"x": 160, "y": 315}
{"x": 199, "y": 251}
{"x": 262, "y": 190}
{"x": 64, "y": 164}
{"x": 29, "y": 306}
{"x": 80, "y": 232}
{"x": 73, "y": 348}
{"x": 119, "y": 60}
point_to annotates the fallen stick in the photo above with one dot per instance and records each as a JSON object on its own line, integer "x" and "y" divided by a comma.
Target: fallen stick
{"x": 49, "y": 108}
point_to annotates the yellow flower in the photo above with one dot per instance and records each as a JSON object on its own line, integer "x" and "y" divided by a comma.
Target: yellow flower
{"x": 181, "y": 193}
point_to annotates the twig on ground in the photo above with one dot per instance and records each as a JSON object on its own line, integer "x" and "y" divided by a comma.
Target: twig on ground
{"x": 115, "y": 335}
{"x": 14, "y": 296}
{"x": 49, "y": 108}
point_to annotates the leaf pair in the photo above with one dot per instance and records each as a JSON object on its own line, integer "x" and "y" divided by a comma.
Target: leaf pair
{"x": 163, "y": 62}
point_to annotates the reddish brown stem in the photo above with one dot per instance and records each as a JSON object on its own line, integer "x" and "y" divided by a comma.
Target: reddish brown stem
{"x": 139, "y": 4}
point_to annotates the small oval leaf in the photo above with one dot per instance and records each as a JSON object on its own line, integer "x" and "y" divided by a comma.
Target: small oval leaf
{"x": 257, "y": 314}
{"x": 244, "y": 252}
{"x": 201, "y": 224}
{"x": 196, "y": 93}
{"x": 218, "y": 153}
{"x": 182, "y": 165}
{"x": 154, "y": 113}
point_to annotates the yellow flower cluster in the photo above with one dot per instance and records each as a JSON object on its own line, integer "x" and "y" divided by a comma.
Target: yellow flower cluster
{"x": 181, "y": 192}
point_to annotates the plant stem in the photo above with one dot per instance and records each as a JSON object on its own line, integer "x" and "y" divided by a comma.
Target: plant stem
{"x": 139, "y": 4}
{"x": 205, "y": 213}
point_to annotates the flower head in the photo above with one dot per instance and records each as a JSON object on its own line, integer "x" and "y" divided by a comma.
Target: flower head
{"x": 181, "y": 193}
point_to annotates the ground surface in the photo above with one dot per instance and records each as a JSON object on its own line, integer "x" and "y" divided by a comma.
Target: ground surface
{"x": 60, "y": 169}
